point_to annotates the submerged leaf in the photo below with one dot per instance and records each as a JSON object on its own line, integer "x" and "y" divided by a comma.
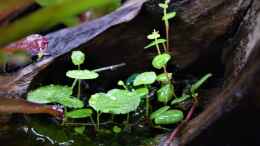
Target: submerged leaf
{"x": 196, "y": 85}
{"x": 159, "y": 112}
{"x": 169, "y": 117}
{"x": 165, "y": 93}
{"x": 161, "y": 60}
{"x": 49, "y": 94}
{"x": 82, "y": 74}
{"x": 70, "y": 102}
{"x": 116, "y": 101}
{"x": 169, "y": 16}
{"x": 164, "y": 77}
{"x": 77, "y": 57}
{"x": 81, "y": 113}
{"x": 142, "y": 92}
{"x": 145, "y": 78}
{"x": 80, "y": 130}
{"x": 155, "y": 42}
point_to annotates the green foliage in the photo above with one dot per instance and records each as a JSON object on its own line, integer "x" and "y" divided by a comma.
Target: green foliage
{"x": 161, "y": 60}
{"x": 82, "y": 74}
{"x": 195, "y": 86}
{"x": 155, "y": 42}
{"x": 117, "y": 129}
{"x": 164, "y": 77}
{"x": 158, "y": 112}
{"x": 115, "y": 101}
{"x": 165, "y": 93}
{"x": 81, "y": 113}
{"x": 49, "y": 94}
{"x": 80, "y": 130}
{"x": 155, "y": 35}
{"x": 180, "y": 99}
{"x": 54, "y": 94}
{"x": 77, "y": 57}
{"x": 169, "y": 117}
{"x": 145, "y": 78}
{"x": 169, "y": 16}
{"x": 142, "y": 92}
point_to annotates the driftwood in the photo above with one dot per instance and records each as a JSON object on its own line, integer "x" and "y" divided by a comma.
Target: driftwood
{"x": 15, "y": 85}
{"x": 208, "y": 36}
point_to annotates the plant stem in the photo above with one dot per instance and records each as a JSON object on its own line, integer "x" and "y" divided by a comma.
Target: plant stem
{"x": 166, "y": 22}
{"x": 147, "y": 107}
{"x": 157, "y": 46}
{"x": 178, "y": 128}
{"x": 74, "y": 83}
{"x": 92, "y": 121}
{"x": 79, "y": 84}
{"x": 127, "y": 118}
{"x": 98, "y": 115}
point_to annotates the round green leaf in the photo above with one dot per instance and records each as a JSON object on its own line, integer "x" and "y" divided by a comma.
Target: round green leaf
{"x": 164, "y": 77}
{"x": 117, "y": 129}
{"x": 145, "y": 78}
{"x": 169, "y": 117}
{"x": 77, "y": 57}
{"x": 161, "y": 60}
{"x": 159, "y": 112}
{"x": 81, "y": 113}
{"x": 82, "y": 74}
{"x": 165, "y": 93}
{"x": 142, "y": 92}
{"x": 116, "y": 101}
{"x": 71, "y": 102}
{"x": 49, "y": 94}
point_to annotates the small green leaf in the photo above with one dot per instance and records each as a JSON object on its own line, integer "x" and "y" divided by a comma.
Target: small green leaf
{"x": 115, "y": 101}
{"x": 71, "y": 102}
{"x": 117, "y": 129}
{"x": 196, "y": 85}
{"x": 81, "y": 113}
{"x": 80, "y": 130}
{"x": 180, "y": 99}
{"x": 165, "y": 93}
{"x": 49, "y": 94}
{"x": 142, "y": 92}
{"x": 159, "y": 112}
{"x": 77, "y": 57}
{"x": 155, "y": 35}
{"x": 169, "y": 16}
{"x": 82, "y": 74}
{"x": 164, "y": 77}
{"x": 161, "y": 60}
{"x": 145, "y": 78}
{"x": 155, "y": 42}
{"x": 169, "y": 117}
{"x": 164, "y": 6}
{"x": 131, "y": 79}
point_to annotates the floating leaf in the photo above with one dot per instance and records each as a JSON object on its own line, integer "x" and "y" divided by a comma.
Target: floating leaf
{"x": 77, "y": 57}
{"x": 169, "y": 16}
{"x": 169, "y": 117}
{"x": 164, "y": 77}
{"x": 70, "y": 102}
{"x": 81, "y": 113}
{"x": 180, "y": 99}
{"x": 196, "y": 85}
{"x": 82, "y": 74}
{"x": 116, "y": 101}
{"x": 159, "y": 112}
{"x": 161, "y": 60}
{"x": 165, "y": 93}
{"x": 49, "y": 94}
{"x": 145, "y": 78}
{"x": 155, "y": 42}
{"x": 155, "y": 35}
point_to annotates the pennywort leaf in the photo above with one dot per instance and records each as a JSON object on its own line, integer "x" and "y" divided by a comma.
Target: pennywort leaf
{"x": 81, "y": 113}
{"x": 145, "y": 78}
{"x": 169, "y": 117}
{"x": 158, "y": 112}
{"x": 165, "y": 93}
{"x": 82, "y": 74}
{"x": 161, "y": 60}
{"x": 77, "y": 57}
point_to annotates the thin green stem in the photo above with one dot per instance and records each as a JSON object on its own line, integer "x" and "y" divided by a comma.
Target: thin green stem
{"x": 98, "y": 116}
{"x": 147, "y": 107}
{"x": 79, "y": 85}
{"x": 127, "y": 118}
{"x": 92, "y": 121}
{"x": 74, "y": 83}
{"x": 157, "y": 46}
